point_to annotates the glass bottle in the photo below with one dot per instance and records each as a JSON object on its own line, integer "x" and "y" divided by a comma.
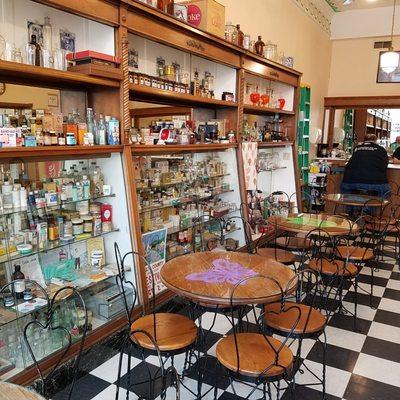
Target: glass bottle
{"x": 47, "y": 34}
{"x": 259, "y": 46}
{"x": 33, "y": 42}
{"x": 17, "y": 56}
{"x": 169, "y": 6}
{"x": 240, "y": 36}
{"x": 18, "y": 286}
{"x": 100, "y": 137}
{"x": 161, "y": 5}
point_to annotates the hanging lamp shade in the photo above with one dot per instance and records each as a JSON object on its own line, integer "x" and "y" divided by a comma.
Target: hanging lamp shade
{"x": 389, "y": 61}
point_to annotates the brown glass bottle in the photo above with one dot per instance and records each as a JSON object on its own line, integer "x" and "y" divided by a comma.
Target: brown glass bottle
{"x": 18, "y": 286}
{"x": 169, "y": 6}
{"x": 240, "y": 36}
{"x": 259, "y": 46}
{"x": 37, "y": 49}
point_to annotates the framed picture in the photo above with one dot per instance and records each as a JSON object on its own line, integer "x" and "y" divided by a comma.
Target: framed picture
{"x": 133, "y": 60}
{"x": 67, "y": 40}
{"x": 34, "y": 28}
{"x": 383, "y": 77}
{"x": 52, "y": 100}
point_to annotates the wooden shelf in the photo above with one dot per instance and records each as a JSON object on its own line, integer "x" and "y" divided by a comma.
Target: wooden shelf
{"x": 180, "y": 148}
{"x": 140, "y": 92}
{"x": 31, "y": 75}
{"x": 266, "y": 145}
{"x": 259, "y": 110}
{"x": 64, "y": 152}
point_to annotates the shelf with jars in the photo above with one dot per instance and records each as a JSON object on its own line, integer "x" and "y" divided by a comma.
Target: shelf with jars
{"x": 197, "y": 129}
{"x": 37, "y": 50}
{"x": 59, "y": 220}
{"x": 173, "y": 75}
{"x": 34, "y": 128}
{"x": 175, "y": 190}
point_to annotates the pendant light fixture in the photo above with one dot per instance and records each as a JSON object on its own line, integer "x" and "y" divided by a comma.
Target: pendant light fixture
{"x": 389, "y": 60}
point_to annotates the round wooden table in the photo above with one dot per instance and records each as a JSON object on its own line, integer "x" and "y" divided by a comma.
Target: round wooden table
{"x": 356, "y": 200}
{"x": 9, "y": 391}
{"x": 304, "y": 223}
{"x": 210, "y": 277}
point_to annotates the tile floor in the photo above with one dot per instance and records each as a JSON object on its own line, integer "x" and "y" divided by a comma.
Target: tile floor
{"x": 363, "y": 365}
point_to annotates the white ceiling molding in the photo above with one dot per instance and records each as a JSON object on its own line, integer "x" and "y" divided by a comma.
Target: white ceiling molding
{"x": 319, "y": 11}
{"x": 363, "y": 23}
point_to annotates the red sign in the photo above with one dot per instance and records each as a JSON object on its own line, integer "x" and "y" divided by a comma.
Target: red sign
{"x": 194, "y": 15}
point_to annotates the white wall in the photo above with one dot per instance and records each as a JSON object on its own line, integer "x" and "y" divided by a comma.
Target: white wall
{"x": 364, "y": 23}
{"x": 14, "y": 15}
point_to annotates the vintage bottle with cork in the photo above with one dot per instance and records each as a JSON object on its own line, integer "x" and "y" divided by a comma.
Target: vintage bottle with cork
{"x": 259, "y": 46}
{"x": 19, "y": 285}
{"x": 240, "y": 36}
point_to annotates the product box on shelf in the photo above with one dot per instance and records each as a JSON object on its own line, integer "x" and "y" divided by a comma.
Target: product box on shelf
{"x": 208, "y": 15}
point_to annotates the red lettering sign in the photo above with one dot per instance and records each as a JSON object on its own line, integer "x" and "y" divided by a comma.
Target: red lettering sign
{"x": 194, "y": 15}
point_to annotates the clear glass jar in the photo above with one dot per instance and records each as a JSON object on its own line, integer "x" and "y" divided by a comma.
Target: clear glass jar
{"x": 271, "y": 51}
{"x": 231, "y": 34}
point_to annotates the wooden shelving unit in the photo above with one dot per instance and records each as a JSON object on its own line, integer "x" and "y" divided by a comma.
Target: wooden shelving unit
{"x": 129, "y": 16}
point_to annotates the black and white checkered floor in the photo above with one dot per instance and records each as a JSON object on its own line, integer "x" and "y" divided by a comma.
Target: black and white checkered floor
{"x": 362, "y": 365}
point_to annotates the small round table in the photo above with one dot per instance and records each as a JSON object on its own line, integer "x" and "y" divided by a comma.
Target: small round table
{"x": 304, "y": 223}
{"x": 210, "y": 277}
{"x": 355, "y": 200}
{"x": 9, "y": 391}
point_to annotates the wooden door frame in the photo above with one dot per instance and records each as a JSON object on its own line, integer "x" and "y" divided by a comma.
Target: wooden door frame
{"x": 332, "y": 104}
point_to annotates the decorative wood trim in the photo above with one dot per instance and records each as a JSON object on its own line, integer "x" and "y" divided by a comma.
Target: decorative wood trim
{"x": 177, "y": 148}
{"x": 271, "y": 72}
{"x": 258, "y": 110}
{"x": 19, "y": 106}
{"x": 105, "y": 11}
{"x": 363, "y": 102}
{"x": 159, "y": 112}
{"x": 276, "y": 144}
{"x": 136, "y": 231}
{"x": 62, "y": 152}
{"x": 140, "y": 92}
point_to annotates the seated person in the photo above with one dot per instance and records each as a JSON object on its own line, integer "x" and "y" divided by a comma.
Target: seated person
{"x": 396, "y": 145}
{"x": 366, "y": 170}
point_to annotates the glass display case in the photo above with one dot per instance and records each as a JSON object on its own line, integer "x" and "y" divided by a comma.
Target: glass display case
{"x": 175, "y": 190}
{"x": 58, "y": 223}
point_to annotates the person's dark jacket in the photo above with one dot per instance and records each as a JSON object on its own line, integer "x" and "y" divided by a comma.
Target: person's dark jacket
{"x": 368, "y": 164}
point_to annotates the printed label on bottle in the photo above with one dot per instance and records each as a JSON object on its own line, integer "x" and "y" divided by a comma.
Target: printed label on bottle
{"x": 19, "y": 286}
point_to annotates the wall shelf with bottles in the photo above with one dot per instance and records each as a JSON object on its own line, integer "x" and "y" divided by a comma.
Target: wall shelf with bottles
{"x": 175, "y": 149}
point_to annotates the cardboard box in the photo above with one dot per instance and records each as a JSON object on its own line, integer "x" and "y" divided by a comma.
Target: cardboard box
{"x": 208, "y": 15}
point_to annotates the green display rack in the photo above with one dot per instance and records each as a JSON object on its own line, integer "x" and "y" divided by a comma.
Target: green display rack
{"x": 348, "y": 127}
{"x": 303, "y": 132}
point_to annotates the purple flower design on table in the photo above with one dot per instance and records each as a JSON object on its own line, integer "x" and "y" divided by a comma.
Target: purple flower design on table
{"x": 223, "y": 271}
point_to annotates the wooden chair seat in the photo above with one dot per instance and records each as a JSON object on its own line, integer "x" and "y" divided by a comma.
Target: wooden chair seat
{"x": 174, "y": 331}
{"x": 337, "y": 267}
{"x": 282, "y": 256}
{"x": 255, "y": 355}
{"x": 384, "y": 225}
{"x": 293, "y": 243}
{"x": 311, "y": 319}
{"x": 355, "y": 253}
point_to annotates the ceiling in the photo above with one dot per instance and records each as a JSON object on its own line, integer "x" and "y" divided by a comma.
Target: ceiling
{"x": 337, "y": 5}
